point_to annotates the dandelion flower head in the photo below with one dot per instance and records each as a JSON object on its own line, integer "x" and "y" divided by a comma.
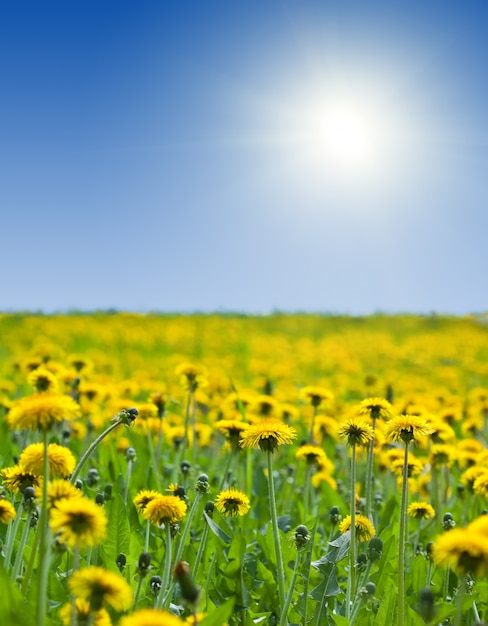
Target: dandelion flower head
{"x": 41, "y": 411}
{"x": 165, "y": 510}
{"x": 232, "y": 502}
{"x": 356, "y": 431}
{"x": 268, "y": 435}
{"x": 61, "y": 460}
{"x": 364, "y": 527}
{"x": 100, "y": 587}
{"x": 406, "y": 428}
{"x": 79, "y": 522}
{"x": 151, "y": 617}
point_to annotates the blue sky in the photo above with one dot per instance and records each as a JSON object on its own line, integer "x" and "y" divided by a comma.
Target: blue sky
{"x": 248, "y": 156}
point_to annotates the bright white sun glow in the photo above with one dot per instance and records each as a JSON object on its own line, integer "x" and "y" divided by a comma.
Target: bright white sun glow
{"x": 348, "y": 135}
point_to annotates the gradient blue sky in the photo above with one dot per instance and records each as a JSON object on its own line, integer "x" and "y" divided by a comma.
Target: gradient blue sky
{"x": 170, "y": 156}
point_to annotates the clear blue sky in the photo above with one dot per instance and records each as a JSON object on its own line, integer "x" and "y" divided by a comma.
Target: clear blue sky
{"x": 296, "y": 155}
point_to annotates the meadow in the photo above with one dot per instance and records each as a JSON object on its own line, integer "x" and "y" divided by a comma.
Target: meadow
{"x": 227, "y": 469}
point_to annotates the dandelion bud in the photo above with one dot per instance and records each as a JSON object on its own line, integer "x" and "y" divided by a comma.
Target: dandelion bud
{"x": 144, "y": 563}
{"x": 370, "y": 589}
{"x": 301, "y": 536}
{"x": 100, "y": 499}
{"x": 209, "y": 508}
{"x": 425, "y": 604}
{"x": 185, "y": 467}
{"x": 107, "y": 492}
{"x": 334, "y": 515}
{"x": 361, "y": 562}
{"x": 79, "y": 484}
{"x": 189, "y": 590}
{"x": 448, "y": 521}
{"x": 130, "y": 454}
{"x": 121, "y": 561}
{"x": 375, "y": 548}
{"x": 378, "y": 501}
{"x": 126, "y": 416}
{"x": 29, "y": 495}
{"x": 155, "y": 584}
{"x": 202, "y": 485}
{"x": 92, "y": 477}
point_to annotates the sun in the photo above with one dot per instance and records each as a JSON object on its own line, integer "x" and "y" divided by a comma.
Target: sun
{"x": 348, "y": 135}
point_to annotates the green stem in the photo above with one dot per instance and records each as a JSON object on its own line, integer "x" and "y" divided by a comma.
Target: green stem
{"x": 167, "y": 567}
{"x": 23, "y": 541}
{"x": 32, "y": 558}
{"x": 312, "y": 425}
{"x": 11, "y": 536}
{"x": 319, "y": 621}
{"x": 44, "y": 548}
{"x": 92, "y": 447}
{"x": 186, "y": 530}
{"x": 369, "y": 473}
{"x": 201, "y": 551}
{"x": 289, "y": 595}
{"x": 127, "y": 479}
{"x": 459, "y": 601}
{"x": 184, "y": 445}
{"x": 138, "y": 591}
{"x": 148, "y": 535}
{"x": 401, "y": 541}
{"x": 308, "y": 561}
{"x": 276, "y": 537}
{"x": 351, "y": 586}
{"x": 306, "y": 491}
{"x": 225, "y": 473}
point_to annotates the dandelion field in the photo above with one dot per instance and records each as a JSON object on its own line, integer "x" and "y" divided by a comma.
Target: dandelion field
{"x": 225, "y": 469}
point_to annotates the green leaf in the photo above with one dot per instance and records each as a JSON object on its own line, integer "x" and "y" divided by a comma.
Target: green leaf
{"x": 13, "y": 610}
{"x": 217, "y": 531}
{"x": 337, "y": 551}
{"x": 329, "y": 586}
{"x": 389, "y": 599}
{"x": 220, "y": 615}
{"x": 118, "y": 534}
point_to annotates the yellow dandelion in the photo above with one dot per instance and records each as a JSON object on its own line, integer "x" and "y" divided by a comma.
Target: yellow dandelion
{"x": 406, "y": 428}
{"x": 414, "y": 466}
{"x": 144, "y": 497}
{"x": 43, "y": 380}
{"x": 420, "y": 510}
{"x": 442, "y": 454}
{"x": 165, "y": 510}
{"x": 316, "y": 395}
{"x": 16, "y": 479}
{"x": 151, "y": 617}
{"x": 84, "y": 614}
{"x": 312, "y": 454}
{"x": 61, "y": 489}
{"x": 325, "y": 427}
{"x": 79, "y": 522}
{"x": 232, "y": 502}
{"x": 375, "y": 408}
{"x": 232, "y": 430}
{"x": 480, "y": 484}
{"x": 61, "y": 460}
{"x": 7, "y": 511}
{"x": 464, "y": 550}
{"x": 364, "y": 527}
{"x": 356, "y": 431}
{"x": 469, "y": 476}
{"x": 268, "y": 435}
{"x": 323, "y": 477}
{"x": 41, "y": 411}
{"x": 99, "y": 587}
